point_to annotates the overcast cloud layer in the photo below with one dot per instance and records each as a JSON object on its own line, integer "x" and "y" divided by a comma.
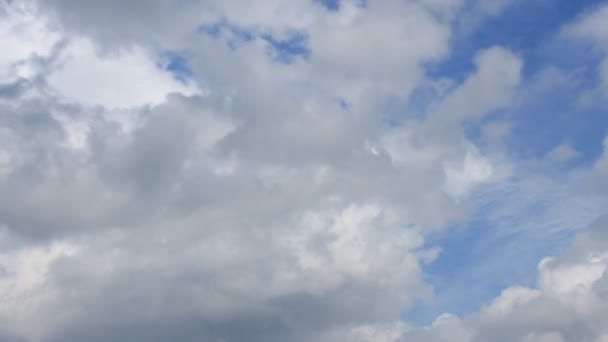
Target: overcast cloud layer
{"x": 303, "y": 170}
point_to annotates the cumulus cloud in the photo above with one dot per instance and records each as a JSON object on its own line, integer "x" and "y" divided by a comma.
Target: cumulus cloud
{"x": 23, "y": 37}
{"x": 72, "y": 67}
{"x": 568, "y": 303}
{"x": 254, "y": 211}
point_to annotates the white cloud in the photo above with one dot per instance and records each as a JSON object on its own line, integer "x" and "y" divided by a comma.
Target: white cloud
{"x": 129, "y": 78}
{"x": 123, "y": 80}
{"x": 590, "y": 26}
{"x": 24, "y": 285}
{"x": 23, "y": 37}
{"x": 569, "y": 303}
{"x": 491, "y": 87}
{"x": 474, "y": 170}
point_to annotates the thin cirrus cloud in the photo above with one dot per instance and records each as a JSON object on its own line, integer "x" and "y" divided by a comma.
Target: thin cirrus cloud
{"x": 270, "y": 171}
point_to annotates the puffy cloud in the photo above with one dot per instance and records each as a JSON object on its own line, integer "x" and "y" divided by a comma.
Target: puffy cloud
{"x": 170, "y": 216}
{"x": 73, "y": 68}
{"x": 24, "y": 38}
{"x": 491, "y": 87}
{"x": 259, "y": 210}
{"x": 188, "y": 279}
{"x": 568, "y": 304}
{"x": 473, "y": 171}
{"x": 78, "y": 65}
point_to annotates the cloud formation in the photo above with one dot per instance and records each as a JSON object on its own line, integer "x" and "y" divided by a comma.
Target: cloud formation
{"x": 277, "y": 185}
{"x": 568, "y": 303}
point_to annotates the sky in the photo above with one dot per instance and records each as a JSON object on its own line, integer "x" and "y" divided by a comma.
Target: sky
{"x": 304, "y": 170}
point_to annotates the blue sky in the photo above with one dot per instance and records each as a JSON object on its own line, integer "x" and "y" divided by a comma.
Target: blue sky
{"x": 545, "y": 116}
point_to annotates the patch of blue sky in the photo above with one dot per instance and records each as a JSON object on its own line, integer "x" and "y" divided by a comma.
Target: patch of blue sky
{"x": 282, "y": 50}
{"x": 513, "y": 226}
{"x": 548, "y": 112}
{"x": 527, "y": 27}
{"x": 553, "y": 120}
{"x": 334, "y": 5}
{"x": 557, "y": 72}
{"x": 343, "y": 104}
{"x": 213, "y": 29}
{"x": 531, "y": 29}
{"x": 544, "y": 118}
{"x": 178, "y": 66}
{"x": 527, "y": 219}
{"x": 238, "y": 35}
{"x": 286, "y": 50}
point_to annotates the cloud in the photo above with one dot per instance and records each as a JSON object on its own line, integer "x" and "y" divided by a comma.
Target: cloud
{"x": 491, "y": 87}
{"x": 254, "y": 211}
{"x": 25, "y": 38}
{"x": 253, "y": 199}
{"x": 187, "y": 279}
{"x": 156, "y": 20}
{"x": 78, "y": 64}
{"x": 590, "y": 28}
{"x": 474, "y": 170}
{"x": 561, "y": 153}
{"x": 64, "y": 63}
{"x": 568, "y": 303}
